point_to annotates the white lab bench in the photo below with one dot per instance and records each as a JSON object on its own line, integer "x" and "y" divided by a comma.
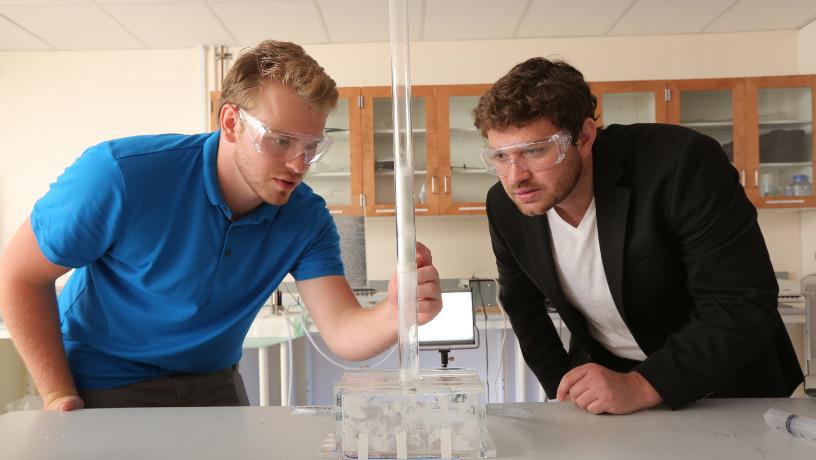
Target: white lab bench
{"x": 706, "y": 430}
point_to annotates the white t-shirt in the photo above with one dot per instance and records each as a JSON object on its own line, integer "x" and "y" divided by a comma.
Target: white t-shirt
{"x": 577, "y": 256}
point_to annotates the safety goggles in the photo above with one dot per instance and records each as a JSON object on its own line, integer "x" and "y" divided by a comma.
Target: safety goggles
{"x": 533, "y": 156}
{"x": 283, "y": 145}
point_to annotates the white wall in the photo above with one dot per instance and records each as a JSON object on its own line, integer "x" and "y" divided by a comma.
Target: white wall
{"x": 599, "y": 58}
{"x": 782, "y": 231}
{"x": 807, "y": 49}
{"x": 56, "y": 104}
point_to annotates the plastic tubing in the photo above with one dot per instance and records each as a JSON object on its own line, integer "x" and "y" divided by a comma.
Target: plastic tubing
{"x": 404, "y": 190}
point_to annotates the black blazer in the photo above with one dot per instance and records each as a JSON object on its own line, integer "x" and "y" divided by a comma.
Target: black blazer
{"x": 686, "y": 265}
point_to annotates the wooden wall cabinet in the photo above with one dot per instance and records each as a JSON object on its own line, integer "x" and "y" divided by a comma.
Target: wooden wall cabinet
{"x": 765, "y": 125}
{"x": 779, "y": 117}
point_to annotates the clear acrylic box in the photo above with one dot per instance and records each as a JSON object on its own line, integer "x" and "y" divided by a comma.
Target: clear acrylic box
{"x": 440, "y": 415}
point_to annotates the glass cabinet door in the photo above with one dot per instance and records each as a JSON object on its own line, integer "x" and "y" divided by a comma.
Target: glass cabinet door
{"x": 785, "y": 122}
{"x": 378, "y": 147}
{"x": 628, "y": 108}
{"x": 711, "y": 113}
{"x": 714, "y": 107}
{"x": 337, "y": 177}
{"x": 630, "y": 102}
{"x": 464, "y": 181}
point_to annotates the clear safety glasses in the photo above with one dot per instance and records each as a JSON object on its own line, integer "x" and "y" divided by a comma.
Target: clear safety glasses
{"x": 533, "y": 156}
{"x": 283, "y": 145}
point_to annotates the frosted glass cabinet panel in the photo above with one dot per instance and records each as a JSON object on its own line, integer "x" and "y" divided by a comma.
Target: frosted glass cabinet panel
{"x": 628, "y": 108}
{"x": 330, "y": 177}
{"x": 628, "y": 102}
{"x": 462, "y": 182}
{"x": 469, "y": 180}
{"x": 717, "y": 108}
{"x": 711, "y": 113}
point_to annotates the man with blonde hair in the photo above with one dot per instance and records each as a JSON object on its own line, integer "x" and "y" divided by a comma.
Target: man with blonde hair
{"x": 177, "y": 241}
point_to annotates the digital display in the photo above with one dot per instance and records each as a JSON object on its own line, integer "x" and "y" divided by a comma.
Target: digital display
{"x": 453, "y": 325}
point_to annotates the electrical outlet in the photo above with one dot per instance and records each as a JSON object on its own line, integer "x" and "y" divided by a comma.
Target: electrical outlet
{"x": 464, "y": 284}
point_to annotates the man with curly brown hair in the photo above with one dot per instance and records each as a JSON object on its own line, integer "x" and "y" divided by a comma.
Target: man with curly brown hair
{"x": 641, "y": 238}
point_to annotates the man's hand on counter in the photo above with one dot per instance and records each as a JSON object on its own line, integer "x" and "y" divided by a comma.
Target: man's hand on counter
{"x": 599, "y": 390}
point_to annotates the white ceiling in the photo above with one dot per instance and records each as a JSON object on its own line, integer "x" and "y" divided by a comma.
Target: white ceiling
{"x": 140, "y": 24}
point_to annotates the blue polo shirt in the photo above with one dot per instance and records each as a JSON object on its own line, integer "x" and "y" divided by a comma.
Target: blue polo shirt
{"x": 165, "y": 281}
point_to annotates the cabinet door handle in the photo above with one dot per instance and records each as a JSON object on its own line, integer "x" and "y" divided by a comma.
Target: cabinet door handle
{"x": 433, "y": 185}
{"x": 445, "y": 183}
{"x": 756, "y": 178}
{"x": 472, "y": 208}
{"x": 784, "y": 201}
{"x": 742, "y": 177}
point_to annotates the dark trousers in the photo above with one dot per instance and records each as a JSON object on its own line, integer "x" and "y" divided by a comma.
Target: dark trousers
{"x": 222, "y": 388}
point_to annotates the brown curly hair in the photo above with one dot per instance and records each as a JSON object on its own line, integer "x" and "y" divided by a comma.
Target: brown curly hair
{"x": 282, "y": 62}
{"x": 537, "y": 88}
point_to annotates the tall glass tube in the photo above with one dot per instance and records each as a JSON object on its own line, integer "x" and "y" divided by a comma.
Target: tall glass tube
{"x": 404, "y": 193}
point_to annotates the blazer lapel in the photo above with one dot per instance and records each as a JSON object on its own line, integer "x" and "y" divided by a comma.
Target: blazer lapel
{"x": 542, "y": 239}
{"x": 612, "y": 210}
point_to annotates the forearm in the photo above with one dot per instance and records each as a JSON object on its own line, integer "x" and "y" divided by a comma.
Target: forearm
{"x": 30, "y": 312}
{"x": 361, "y": 333}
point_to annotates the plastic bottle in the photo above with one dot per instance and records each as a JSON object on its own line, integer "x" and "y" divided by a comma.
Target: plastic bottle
{"x": 801, "y": 185}
{"x": 789, "y": 189}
